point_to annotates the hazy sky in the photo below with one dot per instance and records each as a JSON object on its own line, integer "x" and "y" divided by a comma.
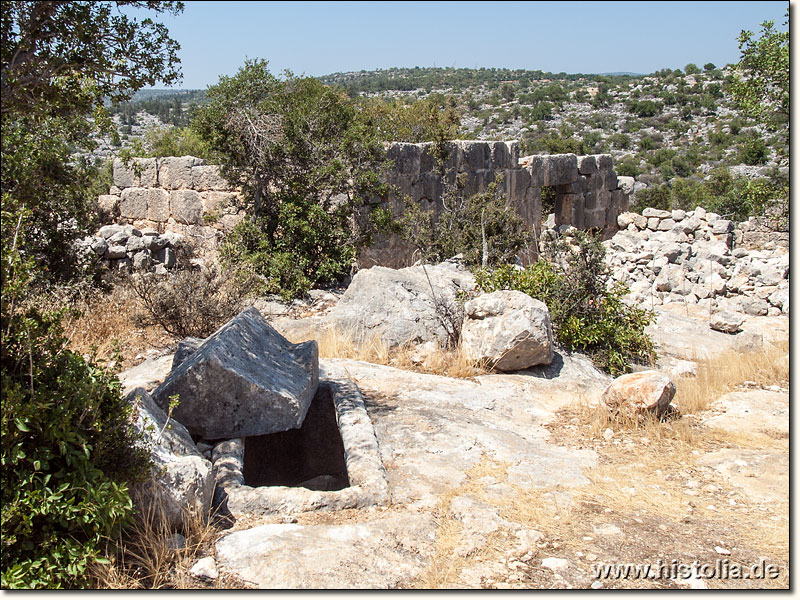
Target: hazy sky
{"x": 316, "y": 38}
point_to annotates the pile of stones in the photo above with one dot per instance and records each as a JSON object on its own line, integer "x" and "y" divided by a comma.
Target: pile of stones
{"x": 691, "y": 257}
{"x": 125, "y": 248}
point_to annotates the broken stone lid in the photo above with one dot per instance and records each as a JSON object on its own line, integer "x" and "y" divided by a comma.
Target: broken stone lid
{"x": 246, "y": 379}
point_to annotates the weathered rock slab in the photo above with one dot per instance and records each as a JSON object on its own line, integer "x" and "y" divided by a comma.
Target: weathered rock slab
{"x": 181, "y": 483}
{"x": 403, "y": 305}
{"x": 376, "y": 554}
{"x": 245, "y": 379}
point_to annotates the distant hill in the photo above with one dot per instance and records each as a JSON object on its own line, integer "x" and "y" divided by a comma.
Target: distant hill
{"x": 428, "y": 78}
{"x": 168, "y": 94}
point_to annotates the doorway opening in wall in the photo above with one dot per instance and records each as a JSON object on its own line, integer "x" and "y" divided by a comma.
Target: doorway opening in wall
{"x": 548, "y": 201}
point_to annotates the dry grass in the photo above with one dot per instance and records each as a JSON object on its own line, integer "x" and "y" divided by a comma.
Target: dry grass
{"x": 446, "y": 564}
{"x": 146, "y": 559}
{"x": 725, "y": 372}
{"x": 334, "y": 343}
{"x": 106, "y": 325}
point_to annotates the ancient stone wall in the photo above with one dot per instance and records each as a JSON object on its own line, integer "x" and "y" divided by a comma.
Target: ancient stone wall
{"x": 180, "y": 194}
{"x": 586, "y": 190}
{"x": 185, "y": 195}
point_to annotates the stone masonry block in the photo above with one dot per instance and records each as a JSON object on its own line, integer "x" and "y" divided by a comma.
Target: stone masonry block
{"x": 157, "y": 205}
{"x": 406, "y": 158}
{"x": 587, "y": 165}
{"x": 536, "y": 170}
{"x": 475, "y": 156}
{"x": 208, "y": 178}
{"x": 560, "y": 169}
{"x": 186, "y": 206}
{"x": 133, "y": 203}
{"x": 175, "y": 172}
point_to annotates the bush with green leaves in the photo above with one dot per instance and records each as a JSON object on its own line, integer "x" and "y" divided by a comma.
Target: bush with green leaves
{"x": 480, "y": 226}
{"x": 309, "y": 163}
{"x": 587, "y": 315}
{"x": 68, "y": 444}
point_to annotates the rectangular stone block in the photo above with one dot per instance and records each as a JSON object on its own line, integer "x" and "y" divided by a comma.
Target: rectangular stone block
{"x": 139, "y": 172}
{"x": 587, "y": 165}
{"x": 578, "y": 186}
{"x": 426, "y": 160}
{"x": 603, "y": 199}
{"x": 501, "y": 156}
{"x": 604, "y": 162}
{"x": 594, "y": 219}
{"x": 246, "y": 379}
{"x": 148, "y": 172}
{"x": 569, "y": 210}
{"x": 513, "y": 153}
{"x": 560, "y": 169}
{"x": 186, "y": 206}
{"x": 208, "y": 178}
{"x": 536, "y": 170}
{"x": 157, "y": 205}
{"x": 133, "y": 203}
{"x": 619, "y": 201}
{"x": 475, "y": 155}
{"x": 594, "y": 182}
{"x": 175, "y": 172}
{"x": 124, "y": 175}
{"x": 609, "y": 180}
{"x": 406, "y": 158}
{"x": 218, "y": 202}
{"x": 517, "y": 182}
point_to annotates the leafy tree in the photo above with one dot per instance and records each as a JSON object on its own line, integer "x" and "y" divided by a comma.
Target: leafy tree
{"x": 309, "y": 163}
{"x": 709, "y": 66}
{"x": 761, "y": 84}
{"x": 481, "y": 227}
{"x": 67, "y": 442}
{"x": 425, "y": 120}
{"x": 66, "y": 57}
{"x": 691, "y": 69}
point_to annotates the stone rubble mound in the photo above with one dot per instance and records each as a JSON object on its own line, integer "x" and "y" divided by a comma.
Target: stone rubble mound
{"x": 691, "y": 257}
{"x": 244, "y": 380}
{"x": 126, "y": 248}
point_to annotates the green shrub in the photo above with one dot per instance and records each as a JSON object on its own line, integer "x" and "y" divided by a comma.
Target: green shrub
{"x": 67, "y": 445}
{"x": 462, "y": 227}
{"x": 657, "y": 196}
{"x": 587, "y": 315}
{"x": 177, "y": 141}
{"x": 753, "y": 151}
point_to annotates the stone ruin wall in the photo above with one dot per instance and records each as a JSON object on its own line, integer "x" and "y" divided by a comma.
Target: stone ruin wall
{"x": 587, "y": 193}
{"x": 185, "y": 195}
{"x": 180, "y": 194}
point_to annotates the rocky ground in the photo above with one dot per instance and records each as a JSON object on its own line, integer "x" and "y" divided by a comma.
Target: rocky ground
{"x": 522, "y": 481}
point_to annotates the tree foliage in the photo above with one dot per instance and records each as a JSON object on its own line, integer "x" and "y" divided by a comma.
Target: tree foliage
{"x": 67, "y": 441}
{"x": 309, "y": 163}
{"x": 66, "y": 57}
{"x": 761, "y": 83}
